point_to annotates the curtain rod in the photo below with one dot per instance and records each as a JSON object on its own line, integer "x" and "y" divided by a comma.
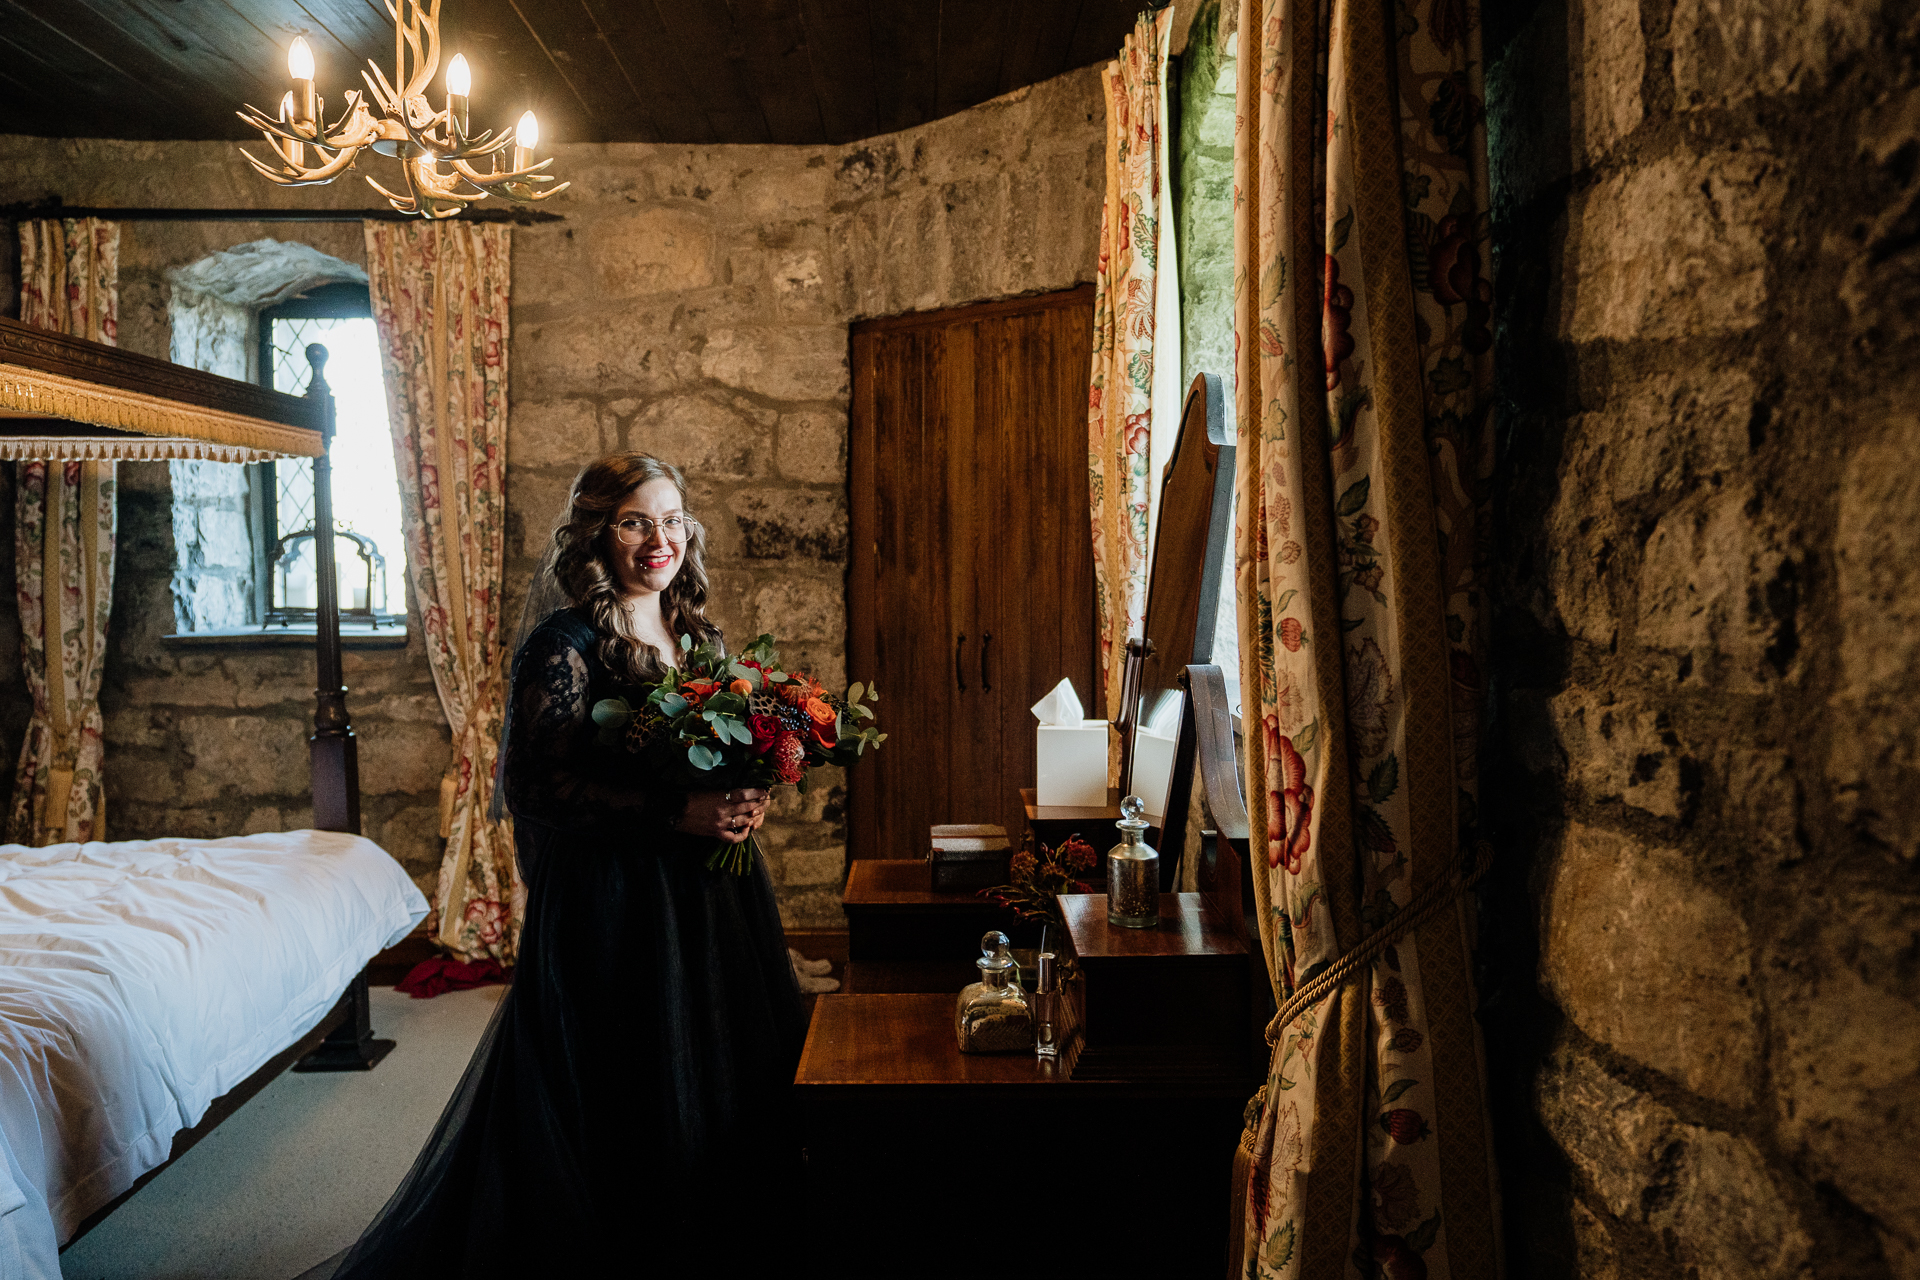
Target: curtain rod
{"x": 54, "y": 209}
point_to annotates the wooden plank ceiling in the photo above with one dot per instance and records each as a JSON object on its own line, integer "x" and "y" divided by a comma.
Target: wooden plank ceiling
{"x": 671, "y": 71}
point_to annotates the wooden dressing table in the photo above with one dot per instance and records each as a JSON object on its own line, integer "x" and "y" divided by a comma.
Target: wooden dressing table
{"x": 1117, "y": 1159}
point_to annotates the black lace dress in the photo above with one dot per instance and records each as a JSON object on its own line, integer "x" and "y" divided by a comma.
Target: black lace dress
{"x": 627, "y": 1112}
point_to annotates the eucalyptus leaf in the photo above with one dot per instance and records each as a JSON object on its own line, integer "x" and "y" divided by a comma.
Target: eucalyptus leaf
{"x": 686, "y": 643}
{"x": 853, "y": 694}
{"x": 611, "y": 712}
{"x": 701, "y": 757}
{"x": 673, "y": 705}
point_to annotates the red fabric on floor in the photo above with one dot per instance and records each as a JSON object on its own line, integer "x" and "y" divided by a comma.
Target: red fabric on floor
{"x": 441, "y": 974}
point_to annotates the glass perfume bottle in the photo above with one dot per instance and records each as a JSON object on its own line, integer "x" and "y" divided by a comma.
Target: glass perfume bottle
{"x": 1133, "y": 872}
{"x": 993, "y": 1015}
{"x": 1046, "y": 1003}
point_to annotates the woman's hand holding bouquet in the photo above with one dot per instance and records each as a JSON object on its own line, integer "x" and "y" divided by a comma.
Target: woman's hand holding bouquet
{"x": 740, "y": 722}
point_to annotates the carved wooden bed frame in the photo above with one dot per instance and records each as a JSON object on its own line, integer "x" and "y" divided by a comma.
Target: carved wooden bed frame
{"x": 63, "y": 398}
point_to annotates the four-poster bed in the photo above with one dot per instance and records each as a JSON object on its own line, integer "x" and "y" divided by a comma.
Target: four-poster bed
{"x": 148, "y": 988}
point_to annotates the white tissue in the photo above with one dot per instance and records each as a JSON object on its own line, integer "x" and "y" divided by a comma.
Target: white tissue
{"x": 1060, "y": 706}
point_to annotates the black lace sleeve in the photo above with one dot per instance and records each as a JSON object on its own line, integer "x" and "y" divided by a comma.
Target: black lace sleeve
{"x": 555, "y": 773}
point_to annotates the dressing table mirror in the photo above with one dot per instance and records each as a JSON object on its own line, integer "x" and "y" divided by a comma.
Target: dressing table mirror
{"x": 1186, "y": 578}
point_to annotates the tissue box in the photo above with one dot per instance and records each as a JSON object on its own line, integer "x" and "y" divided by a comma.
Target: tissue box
{"x": 1072, "y": 765}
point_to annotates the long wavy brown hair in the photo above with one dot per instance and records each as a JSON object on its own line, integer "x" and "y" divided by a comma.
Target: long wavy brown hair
{"x": 584, "y": 568}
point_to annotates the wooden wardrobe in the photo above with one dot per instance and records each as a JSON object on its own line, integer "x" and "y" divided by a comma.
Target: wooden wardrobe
{"x": 970, "y": 587}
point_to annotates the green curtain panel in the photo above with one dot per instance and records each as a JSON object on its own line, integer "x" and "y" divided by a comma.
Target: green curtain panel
{"x": 439, "y": 293}
{"x": 1363, "y": 388}
{"x": 63, "y": 534}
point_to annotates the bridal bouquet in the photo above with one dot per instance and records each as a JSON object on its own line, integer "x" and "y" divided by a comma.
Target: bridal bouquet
{"x": 728, "y": 722}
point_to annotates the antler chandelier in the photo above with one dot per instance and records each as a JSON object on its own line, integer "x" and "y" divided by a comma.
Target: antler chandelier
{"x": 433, "y": 147}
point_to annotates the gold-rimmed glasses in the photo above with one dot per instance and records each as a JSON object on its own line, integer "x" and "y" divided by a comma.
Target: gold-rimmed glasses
{"x": 638, "y": 529}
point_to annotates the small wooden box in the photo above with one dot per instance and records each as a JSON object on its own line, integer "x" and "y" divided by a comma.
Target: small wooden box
{"x": 967, "y": 857}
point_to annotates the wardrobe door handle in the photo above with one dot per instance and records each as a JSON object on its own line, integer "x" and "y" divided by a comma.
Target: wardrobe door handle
{"x": 959, "y": 672}
{"x": 986, "y": 686}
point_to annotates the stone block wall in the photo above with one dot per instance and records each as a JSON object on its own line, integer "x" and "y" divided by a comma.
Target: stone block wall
{"x": 694, "y": 303}
{"x": 1703, "y": 942}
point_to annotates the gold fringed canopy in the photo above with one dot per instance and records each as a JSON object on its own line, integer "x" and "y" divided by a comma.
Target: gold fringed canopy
{"x": 65, "y": 398}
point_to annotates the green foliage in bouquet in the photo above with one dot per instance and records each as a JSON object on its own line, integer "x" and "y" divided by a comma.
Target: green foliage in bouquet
{"x": 730, "y": 722}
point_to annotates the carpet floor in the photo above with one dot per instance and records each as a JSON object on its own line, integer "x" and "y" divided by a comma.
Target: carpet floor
{"x": 293, "y": 1176}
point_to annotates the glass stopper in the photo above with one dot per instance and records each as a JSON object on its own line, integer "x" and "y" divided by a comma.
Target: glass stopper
{"x": 1131, "y": 811}
{"x": 995, "y": 951}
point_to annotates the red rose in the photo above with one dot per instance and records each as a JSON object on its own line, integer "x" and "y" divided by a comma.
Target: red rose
{"x": 1406, "y": 1127}
{"x": 766, "y": 732}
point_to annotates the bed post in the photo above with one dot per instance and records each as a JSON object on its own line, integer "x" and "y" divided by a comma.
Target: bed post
{"x": 335, "y": 754}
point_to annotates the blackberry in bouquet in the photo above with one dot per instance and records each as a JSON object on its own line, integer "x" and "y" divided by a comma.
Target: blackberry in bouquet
{"x": 722, "y": 722}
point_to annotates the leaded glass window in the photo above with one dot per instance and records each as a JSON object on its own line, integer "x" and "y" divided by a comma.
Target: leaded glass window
{"x": 366, "y": 494}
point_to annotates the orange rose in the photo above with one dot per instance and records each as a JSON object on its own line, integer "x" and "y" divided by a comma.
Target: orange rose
{"x": 742, "y": 687}
{"x": 820, "y": 711}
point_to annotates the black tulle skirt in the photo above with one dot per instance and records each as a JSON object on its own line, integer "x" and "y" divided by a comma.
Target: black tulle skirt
{"x": 628, "y": 1110}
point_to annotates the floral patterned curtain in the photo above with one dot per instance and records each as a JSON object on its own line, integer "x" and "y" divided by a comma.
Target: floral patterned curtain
{"x": 440, "y": 302}
{"x": 1363, "y": 392}
{"x": 1120, "y": 391}
{"x": 63, "y": 545}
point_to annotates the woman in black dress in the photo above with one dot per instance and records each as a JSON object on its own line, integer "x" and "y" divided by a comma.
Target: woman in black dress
{"x": 627, "y": 1112}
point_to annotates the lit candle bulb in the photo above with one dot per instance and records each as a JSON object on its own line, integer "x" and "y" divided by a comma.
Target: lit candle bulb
{"x": 459, "y": 83}
{"x": 526, "y": 136}
{"x": 300, "y": 67}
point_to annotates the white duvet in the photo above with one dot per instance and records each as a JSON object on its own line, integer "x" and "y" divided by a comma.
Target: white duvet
{"x": 140, "y": 980}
